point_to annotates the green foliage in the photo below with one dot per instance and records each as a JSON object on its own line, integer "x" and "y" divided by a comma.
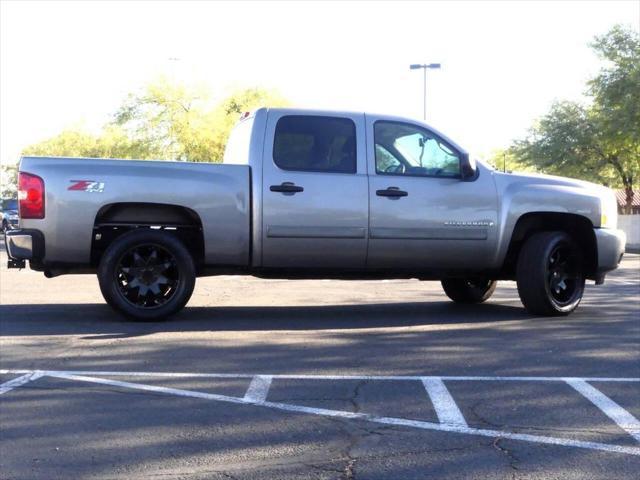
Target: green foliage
{"x": 600, "y": 141}
{"x": 8, "y": 181}
{"x": 616, "y": 89}
{"x": 169, "y": 118}
{"x": 566, "y": 141}
{"x": 230, "y": 109}
{"x": 505, "y": 160}
{"x": 165, "y": 121}
{"x": 181, "y": 123}
{"x": 112, "y": 142}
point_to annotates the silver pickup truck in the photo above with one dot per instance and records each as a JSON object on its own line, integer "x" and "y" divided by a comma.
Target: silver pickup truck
{"x": 312, "y": 194}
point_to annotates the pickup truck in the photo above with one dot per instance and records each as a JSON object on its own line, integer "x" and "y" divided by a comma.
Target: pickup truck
{"x": 314, "y": 194}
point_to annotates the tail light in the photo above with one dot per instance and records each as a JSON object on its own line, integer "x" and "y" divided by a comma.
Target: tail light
{"x": 30, "y": 196}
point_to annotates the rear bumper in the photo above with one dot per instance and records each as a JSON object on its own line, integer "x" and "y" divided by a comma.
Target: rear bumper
{"x": 24, "y": 244}
{"x": 610, "y": 248}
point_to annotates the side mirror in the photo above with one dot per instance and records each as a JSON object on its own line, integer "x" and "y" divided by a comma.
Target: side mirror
{"x": 468, "y": 168}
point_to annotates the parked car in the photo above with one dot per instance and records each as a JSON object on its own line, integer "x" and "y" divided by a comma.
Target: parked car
{"x": 9, "y": 215}
{"x": 311, "y": 194}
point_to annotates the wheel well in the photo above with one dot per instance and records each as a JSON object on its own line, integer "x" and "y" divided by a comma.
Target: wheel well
{"x": 578, "y": 227}
{"x": 117, "y": 218}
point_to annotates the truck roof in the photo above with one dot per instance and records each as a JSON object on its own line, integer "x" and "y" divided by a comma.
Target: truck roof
{"x": 376, "y": 115}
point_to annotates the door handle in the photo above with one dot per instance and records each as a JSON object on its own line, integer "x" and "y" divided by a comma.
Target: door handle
{"x": 286, "y": 187}
{"x": 391, "y": 192}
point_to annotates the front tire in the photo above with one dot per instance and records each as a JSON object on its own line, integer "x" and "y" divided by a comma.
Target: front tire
{"x": 550, "y": 274}
{"x": 147, "y": 275}
{"x": 467, "y": 290}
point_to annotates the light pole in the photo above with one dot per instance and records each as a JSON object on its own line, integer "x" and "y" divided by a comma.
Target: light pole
{"x": 424, "y": 66}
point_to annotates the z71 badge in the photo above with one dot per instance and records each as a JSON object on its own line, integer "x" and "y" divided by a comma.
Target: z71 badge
{"x": 90, "y": 186}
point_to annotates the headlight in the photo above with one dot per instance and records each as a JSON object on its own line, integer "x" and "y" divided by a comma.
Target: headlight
{"x": 608, "y": 211}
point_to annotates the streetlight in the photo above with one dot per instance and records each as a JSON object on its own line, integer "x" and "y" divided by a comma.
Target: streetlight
{"x": 424, "y": 66}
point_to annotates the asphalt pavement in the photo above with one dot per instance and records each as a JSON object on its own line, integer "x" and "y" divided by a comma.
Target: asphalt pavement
{"x": 318, "y": 379}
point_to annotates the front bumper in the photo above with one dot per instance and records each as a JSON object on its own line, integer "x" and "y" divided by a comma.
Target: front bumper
{"x": 610, "y": 244}
{"x": 23, "y": 244}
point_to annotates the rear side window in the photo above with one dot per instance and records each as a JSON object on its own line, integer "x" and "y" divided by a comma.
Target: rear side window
{"x": 315, "y": 144}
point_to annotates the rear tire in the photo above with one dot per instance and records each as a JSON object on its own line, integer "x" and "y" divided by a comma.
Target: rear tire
{"x": 550, "y": 274}
{"x": 468, "y": 290}
{"x": 147, "y": 275}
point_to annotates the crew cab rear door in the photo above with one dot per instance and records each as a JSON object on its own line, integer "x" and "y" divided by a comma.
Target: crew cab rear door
{"x": 314, "y": 190}
{"x": 422, "y": 214}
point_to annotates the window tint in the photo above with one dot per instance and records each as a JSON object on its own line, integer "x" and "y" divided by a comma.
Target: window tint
{"x": 385, "y": 161}
{"x": 318, "y": 144}
{"x": 403, "y": 149}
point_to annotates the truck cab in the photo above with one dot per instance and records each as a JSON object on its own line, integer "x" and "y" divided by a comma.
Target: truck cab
{"x": 354, "y": 190}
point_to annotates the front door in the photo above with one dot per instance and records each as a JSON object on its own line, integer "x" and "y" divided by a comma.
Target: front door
{"x": 423, "y": 216}
{"x": 315, "y": 192}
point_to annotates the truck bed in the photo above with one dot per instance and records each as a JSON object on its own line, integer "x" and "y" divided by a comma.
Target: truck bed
{"x": 78, "y": 189}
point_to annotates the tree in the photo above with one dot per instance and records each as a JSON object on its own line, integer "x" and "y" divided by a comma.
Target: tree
{"x": 599, "y": 141}
{"x": 239, "y": 102}
{"x": 181, "y": 123}
{"x": 169, "y": 118}
{"x": 164, "y": 121}
{"x": 566, "y": 141}
{"x": 505, "y": 160}
{"x": 616, "y": 107}
{"x": 8, "y": 181}
{"x": 111, "y": 142}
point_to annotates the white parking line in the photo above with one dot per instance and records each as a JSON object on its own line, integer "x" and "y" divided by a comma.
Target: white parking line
{"x": 611, "y": 409}
{"x": 360, "y": 416}
{"x": 20, "y": 381}
{"x": 443, "y": 403}
{"x": 336, "y": 377}
{"x": 449, "y": 415}
{"x": 258, "y": 389}
{"x": 149, "y": 388}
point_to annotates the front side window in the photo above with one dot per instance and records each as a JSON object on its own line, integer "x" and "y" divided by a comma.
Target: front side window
{"x": 404, "y": 149}
{"x": 315, "y": 144}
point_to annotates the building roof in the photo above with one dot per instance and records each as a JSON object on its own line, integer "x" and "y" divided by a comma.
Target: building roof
{"x": 621, "y": 196}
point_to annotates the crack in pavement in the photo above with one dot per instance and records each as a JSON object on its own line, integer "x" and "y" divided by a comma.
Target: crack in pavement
{"x": 349, "y": 471}
{"x": 228, "y": 475}
{"x": 513, "y": 460}
{"x": 516, "y": 427}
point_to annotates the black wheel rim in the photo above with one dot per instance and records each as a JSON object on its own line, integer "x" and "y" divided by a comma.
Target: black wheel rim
{"x": 563, "y": 277}
{"x": 147, "y": 276}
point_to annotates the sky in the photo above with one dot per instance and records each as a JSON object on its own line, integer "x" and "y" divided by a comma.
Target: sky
{"x": 503, "y": 63}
